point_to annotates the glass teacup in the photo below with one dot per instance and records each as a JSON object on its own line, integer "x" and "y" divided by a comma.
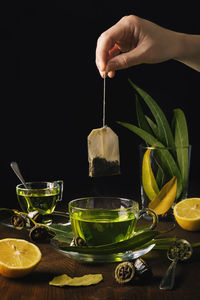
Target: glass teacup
{"x": 105, "y": 220}
{"x": 40, "y": 197}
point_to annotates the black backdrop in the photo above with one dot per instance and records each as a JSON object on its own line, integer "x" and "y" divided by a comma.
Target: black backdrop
{"x": 51, "y": 92}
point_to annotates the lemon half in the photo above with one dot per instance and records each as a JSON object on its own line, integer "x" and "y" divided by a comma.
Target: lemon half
{"x": 187, "y": 214}
{"x": 18, "y": 257}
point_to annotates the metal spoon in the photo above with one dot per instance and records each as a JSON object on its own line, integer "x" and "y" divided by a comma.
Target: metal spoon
{"x": 180, "y": 250}
{"x": 16, "y": 169}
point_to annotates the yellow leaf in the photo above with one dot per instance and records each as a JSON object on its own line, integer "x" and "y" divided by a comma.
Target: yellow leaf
{"x": 164, "y": 200}
{"x": 148, "y": 180}
{"x": 64, "y": 279}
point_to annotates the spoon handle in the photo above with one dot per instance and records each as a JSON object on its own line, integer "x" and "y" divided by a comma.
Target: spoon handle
{"x": 16, "y": 169}
{"x": 167, "y": 282}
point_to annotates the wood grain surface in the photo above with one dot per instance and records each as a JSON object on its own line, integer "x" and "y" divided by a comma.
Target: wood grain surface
{"x": 36, "y": 285}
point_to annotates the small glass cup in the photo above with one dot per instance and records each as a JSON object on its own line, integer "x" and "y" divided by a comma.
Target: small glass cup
{"x": 159, "y": 165}
{"x": 39, "y": 197}
{"x": 105, "y": 220}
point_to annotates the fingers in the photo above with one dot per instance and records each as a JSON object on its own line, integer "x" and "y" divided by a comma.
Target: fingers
{"x": 107, "y": 48}
{"x": 113, "y": 52}
{"x": 125, "y": 60}
{"x": 104, "y": 44}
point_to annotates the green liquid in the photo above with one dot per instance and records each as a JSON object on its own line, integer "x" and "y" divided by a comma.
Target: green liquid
{"x": 105, "y": 229}
{"x": 43, "y": 201}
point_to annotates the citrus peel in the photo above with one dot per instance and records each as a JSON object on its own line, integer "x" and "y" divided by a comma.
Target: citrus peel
{"x": 165, "y": 198}
{"x": 187, "y": 214}
{"x": 148, "y": 180}
{"x": 18, "y": 257}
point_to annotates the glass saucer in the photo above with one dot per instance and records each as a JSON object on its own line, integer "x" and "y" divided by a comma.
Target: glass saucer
{"x": 108, "y": 258}
{"x": 61, "y": 218}
{"x": 57, "y": 217}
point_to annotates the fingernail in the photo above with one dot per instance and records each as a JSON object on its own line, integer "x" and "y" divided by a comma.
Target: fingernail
{"x": 104, "y": 74}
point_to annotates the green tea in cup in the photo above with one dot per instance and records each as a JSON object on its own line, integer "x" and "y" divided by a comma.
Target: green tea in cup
{"x": 41, "y": 197}
{"x": 105, "y": 220}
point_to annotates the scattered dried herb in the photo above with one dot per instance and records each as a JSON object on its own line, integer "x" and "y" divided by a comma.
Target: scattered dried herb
{"x": 124, "y": 272}
{"x": 143, "y": 269}
{"x": 41, "y": 233}
{"x": 127, "y": 271}
{"x": 85, "y": 280}
{"x": 19, "y": 221}
{"x": 79, "y": 241}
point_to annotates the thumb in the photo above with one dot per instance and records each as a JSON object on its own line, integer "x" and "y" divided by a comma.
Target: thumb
{"x": 125, "y": 60}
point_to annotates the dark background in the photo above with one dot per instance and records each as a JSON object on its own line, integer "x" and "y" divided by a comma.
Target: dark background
{"x": 51, "y": 92}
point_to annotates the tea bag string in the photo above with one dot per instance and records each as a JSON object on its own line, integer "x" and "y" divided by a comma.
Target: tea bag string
{"x": 104, "y": 101}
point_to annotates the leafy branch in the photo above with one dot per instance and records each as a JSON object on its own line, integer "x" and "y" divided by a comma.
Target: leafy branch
{"x": 172, "y": 140}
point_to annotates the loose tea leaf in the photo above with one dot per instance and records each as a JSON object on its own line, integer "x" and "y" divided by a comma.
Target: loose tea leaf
{"x": 85, "y": 280}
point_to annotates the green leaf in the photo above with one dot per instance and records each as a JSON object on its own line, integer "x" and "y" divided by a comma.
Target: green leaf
{"x": 160, "y": 175}
{"x": 63, "y": 232}
{"x": 153, "y": 126}
{"x": 170, "y": 165}
{"x": 168, "y": 162}
{"x": 164, "y": 131}
{"x": 147, "y": 137}
{"x": 137, "y": 241}
{"x": 142, "y": 122}
{"x": 182, "y": 144}
{"x": 180, "y": 128}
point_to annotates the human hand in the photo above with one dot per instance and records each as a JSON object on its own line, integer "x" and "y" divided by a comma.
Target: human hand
{"x": 133, "y": 41}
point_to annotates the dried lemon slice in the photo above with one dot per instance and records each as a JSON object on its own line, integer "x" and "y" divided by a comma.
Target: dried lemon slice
{"x": 187, "y": 214}
{"x": 18, "y": 257}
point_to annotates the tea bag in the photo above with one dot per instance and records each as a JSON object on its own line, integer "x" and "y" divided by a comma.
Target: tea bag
{"x": 103, "y": 150}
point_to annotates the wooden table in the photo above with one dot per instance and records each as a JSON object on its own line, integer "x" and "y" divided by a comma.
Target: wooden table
{"x": 36, "y": 285}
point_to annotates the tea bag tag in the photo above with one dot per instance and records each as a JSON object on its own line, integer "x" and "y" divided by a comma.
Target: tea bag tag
{"x": 103, "y": 152}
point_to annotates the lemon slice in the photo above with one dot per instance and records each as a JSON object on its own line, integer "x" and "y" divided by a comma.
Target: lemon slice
{"x": 165, "y": 198}
{"x": 187, "y": 214}
{"x": 18, "y": 257}
{"x": 148, "y": 180}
